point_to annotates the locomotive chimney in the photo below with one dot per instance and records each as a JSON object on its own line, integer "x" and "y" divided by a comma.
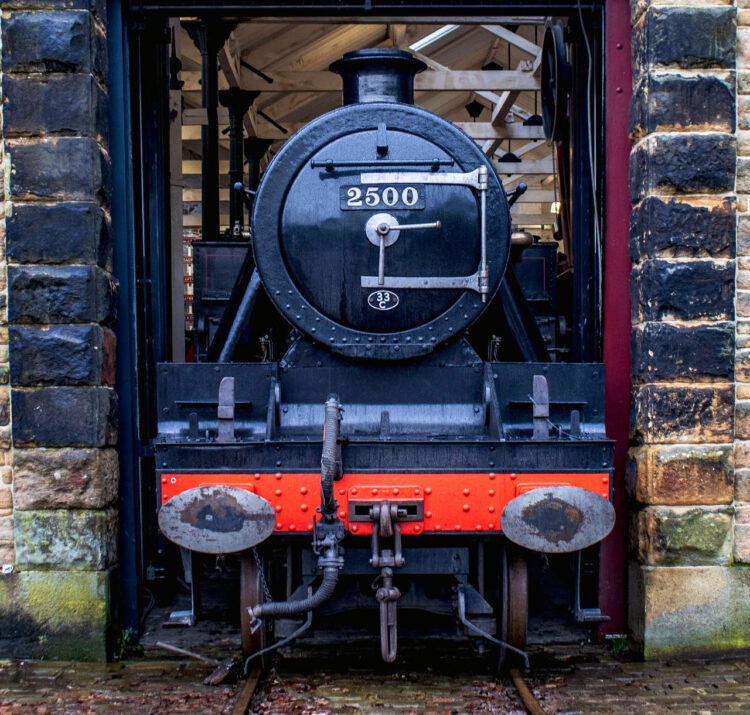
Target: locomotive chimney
{"x": 378, "y": 75}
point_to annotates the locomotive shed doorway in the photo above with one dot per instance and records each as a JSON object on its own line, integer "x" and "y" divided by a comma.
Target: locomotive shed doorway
{"x": 162, "y": 147}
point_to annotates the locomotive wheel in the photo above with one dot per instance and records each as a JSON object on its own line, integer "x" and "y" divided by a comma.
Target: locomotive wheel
{"x": 514, "y": 607}
{"x": 251, "y": 594}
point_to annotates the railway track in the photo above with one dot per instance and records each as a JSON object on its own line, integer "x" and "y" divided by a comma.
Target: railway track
{"x": 369, "y": 693}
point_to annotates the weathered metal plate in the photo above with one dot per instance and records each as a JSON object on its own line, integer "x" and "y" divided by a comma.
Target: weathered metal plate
{"x": 217, "y": 520}
{"x": 557, "y": 520}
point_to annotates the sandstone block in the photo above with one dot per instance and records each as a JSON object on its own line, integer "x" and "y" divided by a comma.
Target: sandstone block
{"x": 681, "y": 612}
{"x": 7, "y": 554}
{"x": 65, "y": 478}
{"x": 56, "y": 614}
{"x": 664, "y": 414}
{"x": 76, "y": 540}
{"x": 44, "y": 104}
{"x": 742, "y": 533}
{"x": 742, "y": 485}
{"x": 684, "y": 536}
{"x": 65, "y": 232}
{"x": 685, "y": 228}
{"x": 664, "y": 351}
{"x": 742, "y": 419}
{"x": 684, "y": 290}
{"x": 743, "y": 175}
{"x": 49, "y": 42}
{"x": 683, "y": 163}
{"x": 62, "y": 355}
{"x": 681, "y": 474}
{"x": 65, "y": 417}
{"x": 60, "y": 294}
{"x": 58, "y": 168}
{"x": 687, "y": 37}
{"x": 668, "y": 102}
{"x": 6, "y": 529}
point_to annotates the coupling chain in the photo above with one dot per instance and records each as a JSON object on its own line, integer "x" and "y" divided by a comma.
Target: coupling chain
{"x": 260, "y": 565}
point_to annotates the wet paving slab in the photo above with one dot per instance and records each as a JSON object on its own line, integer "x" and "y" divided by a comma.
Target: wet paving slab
{"x": 565, "y": 680}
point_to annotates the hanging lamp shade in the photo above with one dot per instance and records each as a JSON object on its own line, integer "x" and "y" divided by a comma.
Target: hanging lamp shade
{"x": 535, "y": 120}
{"x": 492, "y": 67}
{"x": 474, "y": 108}
{"x": 510, "y": 158}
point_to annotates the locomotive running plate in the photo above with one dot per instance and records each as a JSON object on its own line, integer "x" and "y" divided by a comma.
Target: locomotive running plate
{"x": 217, "y": 519}
{"x": 557, "y": 520}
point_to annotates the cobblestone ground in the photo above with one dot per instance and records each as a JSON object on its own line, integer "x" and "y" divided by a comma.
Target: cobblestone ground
{"x": 586, "y": 679}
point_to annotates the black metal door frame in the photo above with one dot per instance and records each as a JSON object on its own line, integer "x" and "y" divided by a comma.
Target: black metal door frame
{"x": 139, "y": 119}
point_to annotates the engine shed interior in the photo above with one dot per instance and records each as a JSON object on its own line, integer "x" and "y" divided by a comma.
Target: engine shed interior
{"x": 215, "y": 96}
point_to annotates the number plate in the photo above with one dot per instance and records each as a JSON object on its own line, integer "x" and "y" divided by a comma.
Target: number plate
{"x": 382, "y": 300}
{"x": 367, "y": 198}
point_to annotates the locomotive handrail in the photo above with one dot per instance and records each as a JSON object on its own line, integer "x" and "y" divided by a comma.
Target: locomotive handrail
{"x": 331, "y": 164}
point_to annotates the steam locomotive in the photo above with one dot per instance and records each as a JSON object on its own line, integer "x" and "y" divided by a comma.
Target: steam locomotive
{"x": 381, "y": 445}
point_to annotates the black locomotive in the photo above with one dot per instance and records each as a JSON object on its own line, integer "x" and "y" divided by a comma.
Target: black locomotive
{"x": 381, "y": 444}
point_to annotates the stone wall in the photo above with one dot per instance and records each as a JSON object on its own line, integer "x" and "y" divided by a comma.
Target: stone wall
{"x": 61, "y": 537}
{"x": 689, "y": 591}
{"x": 7, "y": 548}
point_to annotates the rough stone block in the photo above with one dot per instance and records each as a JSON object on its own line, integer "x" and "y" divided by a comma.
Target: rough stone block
{"x": 60, "y": 294}
{"x": 45, "y": 41}
{"x": 742, "y": 533}
{"x": 664, "y": 351}
{"x": 679, "y": 475}
{"x": 681, "y": 612}
{"x": 76, "y": 540}
{"x": 62, "y": 355}
{"x": 7, "y": 554}
{"x": 6, "y": 497}
{"x": 64, "y": 417}
{"x": 684, "y": 535}
{"x": 59, "y": 168}
{"x": 68, "y": 232}
{"x": 683, "y": 163}
{"x": 4, "y": 407}
{"x": 65, "y": 478}
{"x": 668, "y": 102}
{"x": 43, "y": 104}
{"x": 684, "y": 228}
{"x": 56, "y": 614}
{"x": 690, "y": 414}
{"x": 742, "y": 485}
{"x": 743, "y": 176}
{"x": 6, "y": 529}
{"x": 685, "y": 290}
{"x": 742, "y": 419}
{"x": 687, "y": 37}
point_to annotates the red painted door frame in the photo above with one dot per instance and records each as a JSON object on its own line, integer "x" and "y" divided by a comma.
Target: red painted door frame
{"x": 617, "y": 83}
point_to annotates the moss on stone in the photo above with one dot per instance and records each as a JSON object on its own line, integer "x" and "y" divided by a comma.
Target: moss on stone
{"x": 56, "y": 614}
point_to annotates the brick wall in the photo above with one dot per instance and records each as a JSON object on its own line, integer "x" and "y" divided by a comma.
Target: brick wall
{"x": 61, "y": 537}
{"x": 688, "y": 589}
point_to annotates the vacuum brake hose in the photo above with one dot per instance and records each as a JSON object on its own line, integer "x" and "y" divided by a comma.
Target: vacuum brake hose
{"x": 287, "y": 608}
{"x": 330, "y": 460}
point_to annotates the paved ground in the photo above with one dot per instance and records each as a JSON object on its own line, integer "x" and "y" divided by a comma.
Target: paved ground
{"x": 566, "y": 680}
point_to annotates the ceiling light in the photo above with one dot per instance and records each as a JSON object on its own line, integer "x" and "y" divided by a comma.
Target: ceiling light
{"x": 432, "y": 37}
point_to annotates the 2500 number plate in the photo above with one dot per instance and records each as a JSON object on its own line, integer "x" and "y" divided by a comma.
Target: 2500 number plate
{"x": 372, "y": 197}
